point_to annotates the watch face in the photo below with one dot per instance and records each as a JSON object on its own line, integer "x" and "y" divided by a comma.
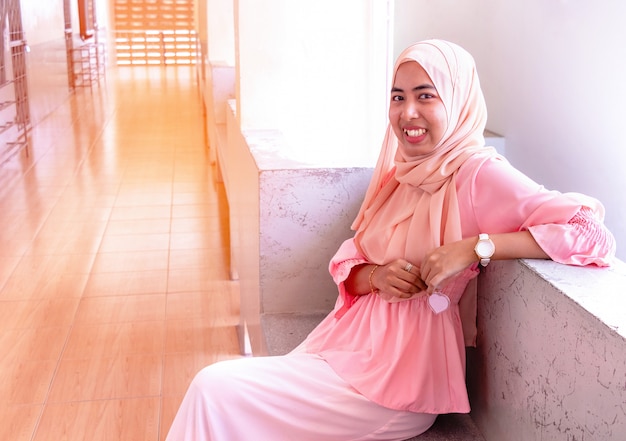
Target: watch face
{"x": 485, "y": 248}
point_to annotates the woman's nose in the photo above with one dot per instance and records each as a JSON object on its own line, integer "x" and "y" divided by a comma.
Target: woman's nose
{"x": 410, "y": 111}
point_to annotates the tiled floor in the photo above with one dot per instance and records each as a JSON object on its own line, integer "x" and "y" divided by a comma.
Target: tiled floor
{"x": 114, "y": 284}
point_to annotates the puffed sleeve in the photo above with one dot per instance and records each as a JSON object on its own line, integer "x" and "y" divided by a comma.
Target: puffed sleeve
{"x": 567, "y": 226}
{"x": 340, "y": 265}
{"x": 583, "y": 240}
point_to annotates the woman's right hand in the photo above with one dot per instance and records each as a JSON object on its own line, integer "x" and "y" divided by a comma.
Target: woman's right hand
{"x": 398, "y": 278}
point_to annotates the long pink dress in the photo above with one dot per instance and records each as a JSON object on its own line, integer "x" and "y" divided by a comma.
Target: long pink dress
{"x": 376, "y": 369}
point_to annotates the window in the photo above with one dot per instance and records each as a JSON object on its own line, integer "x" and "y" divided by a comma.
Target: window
{"x": 154, "y": 32}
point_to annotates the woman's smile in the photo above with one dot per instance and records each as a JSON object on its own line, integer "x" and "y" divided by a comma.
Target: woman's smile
{"x": 414, "y": 135}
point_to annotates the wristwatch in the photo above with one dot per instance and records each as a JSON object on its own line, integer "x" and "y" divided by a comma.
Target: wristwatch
{"x": 484, "y": 249}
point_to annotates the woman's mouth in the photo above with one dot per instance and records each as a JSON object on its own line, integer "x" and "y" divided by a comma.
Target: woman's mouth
{"x": 414, "y": 135}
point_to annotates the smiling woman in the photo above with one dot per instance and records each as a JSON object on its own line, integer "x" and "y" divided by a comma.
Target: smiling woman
{"x": 388, "y": 359}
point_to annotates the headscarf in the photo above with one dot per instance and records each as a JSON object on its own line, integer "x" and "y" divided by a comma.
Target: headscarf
{"x": 411, "y": 206}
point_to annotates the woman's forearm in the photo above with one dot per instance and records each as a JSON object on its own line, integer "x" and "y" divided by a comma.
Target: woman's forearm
{"x": 517, "y": 245}
{"x": 358, "y": 282}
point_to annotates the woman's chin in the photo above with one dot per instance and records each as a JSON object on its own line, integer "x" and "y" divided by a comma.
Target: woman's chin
{"x": 413, "y": 150}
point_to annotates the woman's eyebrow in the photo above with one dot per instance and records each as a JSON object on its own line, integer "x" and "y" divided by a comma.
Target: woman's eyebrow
{"x": 415, "y": 89}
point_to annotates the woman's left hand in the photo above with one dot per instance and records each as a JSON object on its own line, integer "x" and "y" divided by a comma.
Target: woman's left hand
{"x": 446, "y": 261}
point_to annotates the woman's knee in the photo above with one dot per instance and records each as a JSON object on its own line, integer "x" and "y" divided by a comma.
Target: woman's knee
{"x": 218, "y": 376}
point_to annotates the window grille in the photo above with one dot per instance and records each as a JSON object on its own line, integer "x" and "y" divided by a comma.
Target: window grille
{"x": 154, "y": 32}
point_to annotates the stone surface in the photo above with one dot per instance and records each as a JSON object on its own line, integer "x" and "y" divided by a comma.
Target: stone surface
{"x": 546, "y": 368}
{"x": 451, "y": 427}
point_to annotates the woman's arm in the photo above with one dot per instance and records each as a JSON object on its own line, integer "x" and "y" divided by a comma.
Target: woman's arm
{"x": 448, "y": 260}
{"x": 393, "y": 279}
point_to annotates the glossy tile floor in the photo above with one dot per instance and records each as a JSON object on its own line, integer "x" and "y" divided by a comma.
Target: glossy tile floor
{"x": 114, "y": 286}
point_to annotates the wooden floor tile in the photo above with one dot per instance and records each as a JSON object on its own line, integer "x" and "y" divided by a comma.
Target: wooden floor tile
{"x": 195, "y": 279}
{"x": 143, "y": 212}
{"x": 102, "y": 420}
{"x": 104, "y": 378}
{"x": 199, "y": 336}
{"x": 127, "y": 283}
{"x": 114, "y": 340}
{"x": 36, "y": 344}
{"x": 217, "y": 306}
{"x": 169, "y": 406}
{"x": 117, "y": 309}
{"x": 32, "y": 287}
{"x": 26, "y": 382}
{"x": 193, "y": 259}
{"x": 112, "y": 243}
{"x": 19, "y": 421}
{"x": 138, "y": 226}
{"x": 38, "y": 313}
{"x": 131, "y": 261}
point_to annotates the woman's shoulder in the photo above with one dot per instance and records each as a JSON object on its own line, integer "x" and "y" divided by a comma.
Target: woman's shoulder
{"x": 486, "y": 159}
{"x": 489, "y": 169}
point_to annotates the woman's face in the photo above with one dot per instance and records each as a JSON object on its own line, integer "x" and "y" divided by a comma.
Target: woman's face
{"x": 416, "y": 112}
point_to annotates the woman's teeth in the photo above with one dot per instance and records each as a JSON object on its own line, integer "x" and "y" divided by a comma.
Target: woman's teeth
{"x": 415, "y": 132}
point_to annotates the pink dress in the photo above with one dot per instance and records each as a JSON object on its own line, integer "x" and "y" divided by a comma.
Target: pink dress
{"x": 380, "y": 370}
{"x": 402, "y": 355}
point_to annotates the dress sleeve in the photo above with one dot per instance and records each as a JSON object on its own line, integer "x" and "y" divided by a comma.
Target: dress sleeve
{"x": 583, "y": 240}
{"x": 567, "y": 226}
{"x": 340, "y": 266}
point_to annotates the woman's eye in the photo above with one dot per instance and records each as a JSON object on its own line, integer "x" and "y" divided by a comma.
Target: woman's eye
{"x": 425, "y": 96}
{"x": 397, "y": 98}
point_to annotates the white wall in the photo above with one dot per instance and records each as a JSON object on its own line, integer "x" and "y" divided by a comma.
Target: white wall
{"x": 42, "y": 21}
{"x": 315, "y": 71}
{"x": 553, "y": 75}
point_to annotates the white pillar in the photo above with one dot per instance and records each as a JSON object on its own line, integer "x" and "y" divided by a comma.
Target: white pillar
{"x": 221, "y": 32}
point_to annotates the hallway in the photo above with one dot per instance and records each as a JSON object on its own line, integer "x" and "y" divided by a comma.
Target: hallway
{"x": 114, "y": 287}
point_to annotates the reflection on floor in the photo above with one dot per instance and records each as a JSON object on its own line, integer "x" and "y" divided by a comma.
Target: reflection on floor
{"x": 114, "y": 286}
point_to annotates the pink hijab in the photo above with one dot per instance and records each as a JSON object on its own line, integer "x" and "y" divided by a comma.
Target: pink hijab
{"x": 408, "y": 212}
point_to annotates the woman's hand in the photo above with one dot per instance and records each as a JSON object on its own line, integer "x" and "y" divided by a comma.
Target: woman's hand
{"x": 446, "y": 261}
{"x": 398, "y": 278}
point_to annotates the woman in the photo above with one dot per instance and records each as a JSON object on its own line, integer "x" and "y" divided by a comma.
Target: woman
{"x": 390, "y": 357}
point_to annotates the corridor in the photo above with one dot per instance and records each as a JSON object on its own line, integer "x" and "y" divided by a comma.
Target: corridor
{"x": 114, "y": 287}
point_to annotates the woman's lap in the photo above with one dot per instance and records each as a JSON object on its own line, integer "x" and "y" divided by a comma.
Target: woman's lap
{"x": 297, "y": 396}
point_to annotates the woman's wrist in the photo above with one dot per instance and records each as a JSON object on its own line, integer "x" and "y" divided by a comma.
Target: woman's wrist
{"x": 373, "y": 290}
{"x": 360, "y": 281}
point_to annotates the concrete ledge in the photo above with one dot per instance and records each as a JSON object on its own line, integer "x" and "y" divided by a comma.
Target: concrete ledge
{"x": 283, "y": 332}
{"x": 551, "y": 357}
